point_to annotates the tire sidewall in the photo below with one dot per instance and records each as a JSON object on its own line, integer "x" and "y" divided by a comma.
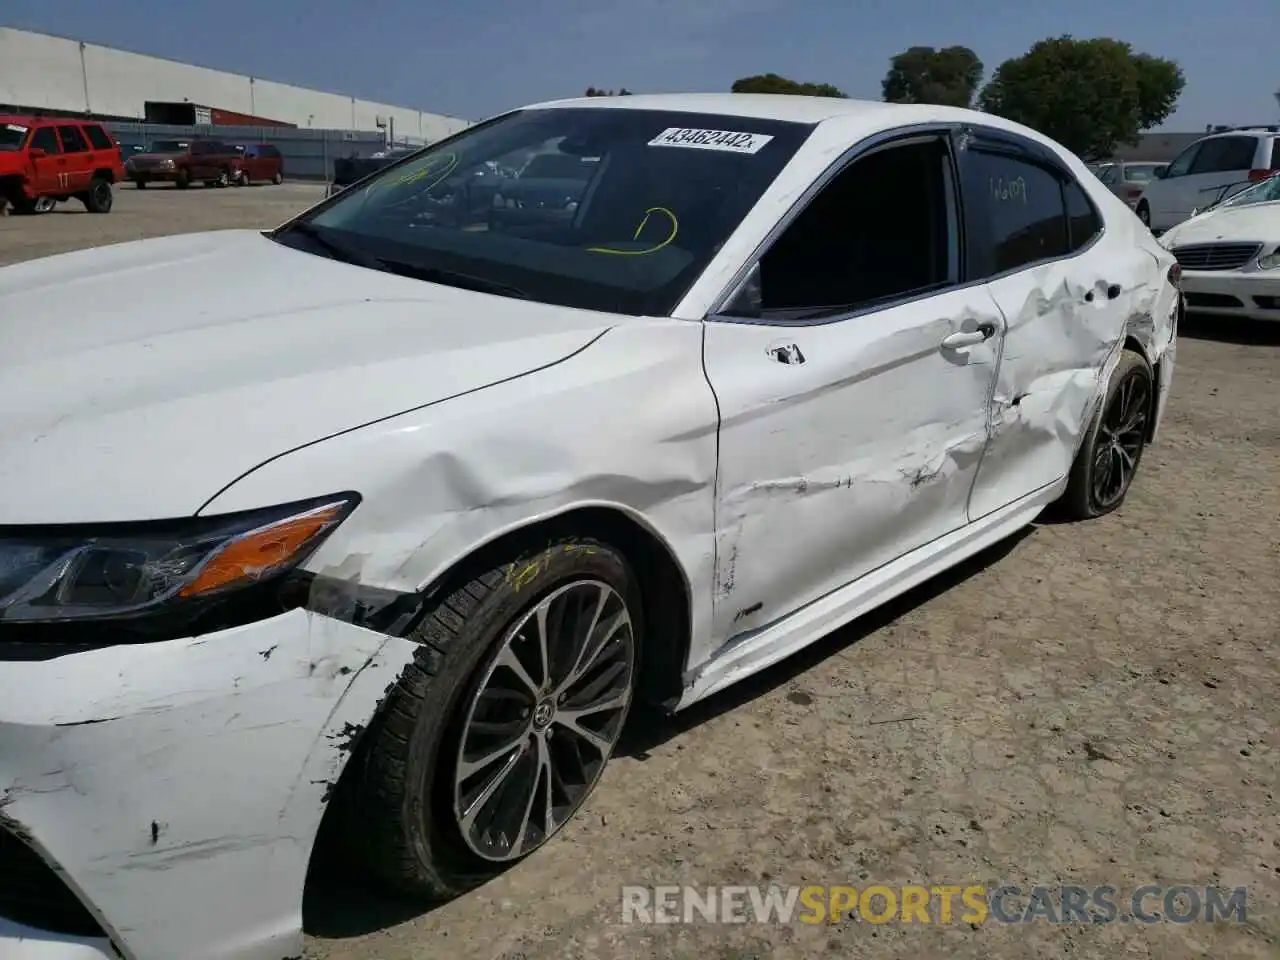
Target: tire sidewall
{"x": 428, "y": 803}
{"x": 100, "y": 198}
{"x": 1129, "y": 362}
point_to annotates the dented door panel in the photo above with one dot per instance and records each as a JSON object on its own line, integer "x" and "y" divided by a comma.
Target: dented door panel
{"x": 838, "y": 464}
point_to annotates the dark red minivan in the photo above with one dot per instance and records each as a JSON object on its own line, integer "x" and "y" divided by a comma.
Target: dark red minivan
{"x": 258, "y": 161}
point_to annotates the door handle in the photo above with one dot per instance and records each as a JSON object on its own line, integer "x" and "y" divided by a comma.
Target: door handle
{"x": 1113, "y": 291}
{"x": 969, "y": 338}
{"x": 788, "y": 353}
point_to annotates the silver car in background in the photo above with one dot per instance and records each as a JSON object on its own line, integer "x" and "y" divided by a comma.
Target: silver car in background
{"x": 1127, "y": 179}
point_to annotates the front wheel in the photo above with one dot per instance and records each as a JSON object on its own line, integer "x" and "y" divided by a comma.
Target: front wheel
{"x": 501, "y": 727}
{"x": 1113, "y": 447}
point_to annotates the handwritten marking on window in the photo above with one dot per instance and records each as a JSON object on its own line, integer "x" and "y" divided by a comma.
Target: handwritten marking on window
{"x": 1014, "y": 190}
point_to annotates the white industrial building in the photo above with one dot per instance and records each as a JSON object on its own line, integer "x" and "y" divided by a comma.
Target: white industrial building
{"x": 39, "y": 72}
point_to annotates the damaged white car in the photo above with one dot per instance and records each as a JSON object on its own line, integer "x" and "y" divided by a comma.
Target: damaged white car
{"x": 393, "y": 512}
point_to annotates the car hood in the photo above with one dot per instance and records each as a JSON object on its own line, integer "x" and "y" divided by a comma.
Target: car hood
{"x": 1256, "y": 222}
{"x": 139, "y": 379}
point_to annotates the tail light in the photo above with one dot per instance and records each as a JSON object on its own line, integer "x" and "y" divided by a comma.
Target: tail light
{"x": 1134, "y": 193}
{"x": 1175, "y": 275}
{"x": 1256, "y": 176}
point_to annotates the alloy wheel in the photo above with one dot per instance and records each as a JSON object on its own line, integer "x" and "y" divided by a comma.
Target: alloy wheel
{"x": 1121, "y": 438}
{"x": 544, "y": 719}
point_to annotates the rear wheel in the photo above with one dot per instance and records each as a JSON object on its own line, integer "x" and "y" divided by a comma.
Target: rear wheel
{"x": 99, "y": 198}
{"x": 1108, "y": 459}
{"x": 500, "y": 729}
{"x": 278, "y": 178}
{"x": 1144, "y": 213}
{"x": 140, "y": 183}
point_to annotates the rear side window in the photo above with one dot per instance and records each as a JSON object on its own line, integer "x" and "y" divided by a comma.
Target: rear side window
{"x": 270, "y": 151}
{"x": 1083, "y": 222}
{"x": 72, "y": 140}
{"x": 1275, "y": 154}
{"x": 1224, "y": 154}
{"x": 98, "y": 137}
{"x": 1022, "y": 204}
{"x": 45, "y": 139}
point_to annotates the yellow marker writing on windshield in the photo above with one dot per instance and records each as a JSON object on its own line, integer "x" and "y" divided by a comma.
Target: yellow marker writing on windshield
{"x": 675, "y": 228}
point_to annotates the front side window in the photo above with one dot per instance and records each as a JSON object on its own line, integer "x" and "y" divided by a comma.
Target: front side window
{"x": 73, "y": 140}
{"x": 604, "y": 209}
{"x": 1182, "y": 163}
{"x": 882, "y": 230}
{"x": 1022, "y": 203}
{"x": 45, "y": 139}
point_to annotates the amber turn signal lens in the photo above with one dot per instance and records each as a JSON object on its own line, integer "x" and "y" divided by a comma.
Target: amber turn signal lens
{"x": 260, "y": 553}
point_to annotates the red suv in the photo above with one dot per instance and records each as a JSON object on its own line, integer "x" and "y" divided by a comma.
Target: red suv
{"x": 258, "y": 161}
{"x": 45, "y": 160}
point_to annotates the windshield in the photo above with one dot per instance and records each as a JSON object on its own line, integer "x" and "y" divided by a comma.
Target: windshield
{"x": 1268, "y": 191}
{"x": 168, "y": 146}
{"x": 12, "y": 135}
{"x": 604, "y": 209}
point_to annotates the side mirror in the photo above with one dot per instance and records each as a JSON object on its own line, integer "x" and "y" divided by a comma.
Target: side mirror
{"x": 35, "y": 153}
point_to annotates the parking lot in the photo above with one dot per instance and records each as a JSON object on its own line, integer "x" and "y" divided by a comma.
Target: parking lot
{"x": 1087, "y": 704}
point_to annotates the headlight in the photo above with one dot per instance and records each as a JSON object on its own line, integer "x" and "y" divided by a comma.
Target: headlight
{"x": 1270, "y": 261}
{"x": 60, "y": 574}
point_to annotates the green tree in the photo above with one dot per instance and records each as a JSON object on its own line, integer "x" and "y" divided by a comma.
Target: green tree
{"x": 772, "y": 83}
{"x": 949, "y": 76}
{"x": 596, "y": 92}
{"x": 1089, "y": 95}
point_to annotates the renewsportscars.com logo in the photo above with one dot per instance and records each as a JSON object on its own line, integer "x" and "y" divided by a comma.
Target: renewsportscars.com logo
{"x": 973, "y": 904}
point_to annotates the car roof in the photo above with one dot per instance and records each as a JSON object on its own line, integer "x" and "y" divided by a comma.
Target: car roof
{"x": 761, "y": 106}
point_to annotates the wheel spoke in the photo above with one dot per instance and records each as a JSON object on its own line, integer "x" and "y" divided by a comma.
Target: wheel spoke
{"x": 473, "y": 809}
{"x": 540, "y": 771}
{"x": 469, "y": 768}
{"x": 507, "y": 658}
{"x": 544, "y": 657}
{"x": 590, "y": 652}
{"x": 569, "y": 720}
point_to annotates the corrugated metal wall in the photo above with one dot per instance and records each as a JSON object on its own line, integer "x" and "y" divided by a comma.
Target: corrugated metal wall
{"x": 54, "y": 73}
{"x": 308, "y": 154}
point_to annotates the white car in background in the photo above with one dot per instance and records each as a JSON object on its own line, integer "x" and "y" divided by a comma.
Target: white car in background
{"x": 1199, "y": 173}
{"x": 443, "y": 501}
{"x": 1230, "y": 254}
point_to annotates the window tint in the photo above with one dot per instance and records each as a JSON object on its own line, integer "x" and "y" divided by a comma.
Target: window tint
{"x": 1022, "y": 202}
{"x": 1182, "y": 164}
{"x": 1082, "y": 218}
{"x": 46, "y": 140}
{"x": 1223, "y": 154}
{"x": 72, "y": 140}
{"x": 882, "y": 229}
{"x": 209, "y": 146}
{"x": 1275, "y": 154}
{"x": 98, "y": 137}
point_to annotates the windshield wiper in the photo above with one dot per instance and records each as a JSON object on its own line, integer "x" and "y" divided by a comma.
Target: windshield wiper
{"x": 452, "y": 278}
{"x": 338, "y": 249}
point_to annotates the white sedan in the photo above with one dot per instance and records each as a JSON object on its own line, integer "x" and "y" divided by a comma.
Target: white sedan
{"x": 391, "y": 515}
{"x": 1230, "y": 254}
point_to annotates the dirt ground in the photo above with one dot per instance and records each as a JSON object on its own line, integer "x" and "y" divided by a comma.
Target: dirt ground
{"x": 1087, "y": 704}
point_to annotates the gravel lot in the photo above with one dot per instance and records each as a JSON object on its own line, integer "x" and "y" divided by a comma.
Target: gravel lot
{"x": 1090, "y": 704}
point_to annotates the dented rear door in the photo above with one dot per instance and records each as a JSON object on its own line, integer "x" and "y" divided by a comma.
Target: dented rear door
{"x": 1065, "y": 287}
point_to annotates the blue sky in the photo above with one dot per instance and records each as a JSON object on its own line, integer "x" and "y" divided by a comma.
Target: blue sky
{"x": 474, "y": 59}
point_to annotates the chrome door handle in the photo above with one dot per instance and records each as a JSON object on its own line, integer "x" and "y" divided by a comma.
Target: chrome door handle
{"x": 969, "y": 338}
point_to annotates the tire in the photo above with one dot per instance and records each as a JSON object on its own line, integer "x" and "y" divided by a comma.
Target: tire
{"x": 278, "y": 178}
{"x": 1126, "y": 416}
{"x": 22, "y": 205}
{"x": 140, "y": 183}
{"x": 182, "y": 180}
{"x": 1144, "y": 214}
{"x": 99, "y": 197}
{"x": 223, "y": 180}
{"x": 407, "y": 816}
{"x": 242, "y": 178}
